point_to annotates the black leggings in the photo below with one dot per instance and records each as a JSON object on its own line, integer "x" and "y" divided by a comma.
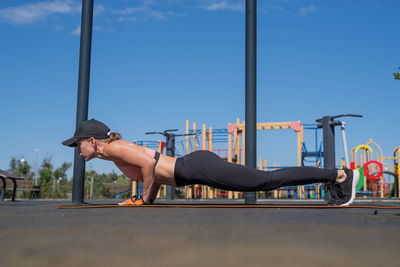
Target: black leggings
{"x": 206, "y": 168}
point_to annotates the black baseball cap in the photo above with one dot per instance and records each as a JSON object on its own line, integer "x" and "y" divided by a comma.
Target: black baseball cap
{"x": 87, "y": 129}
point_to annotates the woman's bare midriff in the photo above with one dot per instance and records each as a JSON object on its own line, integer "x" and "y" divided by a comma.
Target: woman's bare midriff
{"x": 165, "y": 170}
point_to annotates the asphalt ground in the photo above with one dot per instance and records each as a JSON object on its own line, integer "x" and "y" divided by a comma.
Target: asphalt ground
{"x": 37, "y": 233}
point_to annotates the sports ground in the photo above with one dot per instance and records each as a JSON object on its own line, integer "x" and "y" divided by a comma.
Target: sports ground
{"x": 38, "y": 233}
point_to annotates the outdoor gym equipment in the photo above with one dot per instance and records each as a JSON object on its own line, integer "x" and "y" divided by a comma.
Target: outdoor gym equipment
{"x": 328, "y": 123}
{"x": 250, "y": 90}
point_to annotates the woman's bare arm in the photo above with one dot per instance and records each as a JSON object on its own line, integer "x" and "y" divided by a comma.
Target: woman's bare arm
{"x": 123, "y": 153}
{"x": 154, "y": 192}
{"x": 148, "y": 181}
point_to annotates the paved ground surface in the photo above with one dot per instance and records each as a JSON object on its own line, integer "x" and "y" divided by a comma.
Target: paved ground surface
{"x": 37, "y": 233}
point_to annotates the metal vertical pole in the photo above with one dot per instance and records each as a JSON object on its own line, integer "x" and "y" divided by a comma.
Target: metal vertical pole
{"x": 251, "y": 91}
{"x": 83, "y": 94}
{"x": 329, "y": 145}
{"x": 329, "y": 142}
{"x": 170, "y": 190}
{"x": 346, "y": 154}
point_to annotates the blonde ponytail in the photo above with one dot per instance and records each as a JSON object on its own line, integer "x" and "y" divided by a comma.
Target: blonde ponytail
{"x": 114, "y": 136}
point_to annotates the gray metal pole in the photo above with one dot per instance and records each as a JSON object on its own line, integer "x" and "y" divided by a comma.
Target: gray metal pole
{"x": 83, "y": 94}
{"x": 251, "y": 91}
{"x": 329, "y": 142}
{"x": 346, "y": 154}
{"x": 170, "y": 190}
{"x": 329, "y": 146}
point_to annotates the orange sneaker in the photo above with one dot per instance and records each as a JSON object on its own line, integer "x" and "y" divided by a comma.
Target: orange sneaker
{"x": 133, "y": 201}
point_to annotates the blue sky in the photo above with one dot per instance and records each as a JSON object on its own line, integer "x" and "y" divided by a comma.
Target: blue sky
{"x": 157, "y": 63}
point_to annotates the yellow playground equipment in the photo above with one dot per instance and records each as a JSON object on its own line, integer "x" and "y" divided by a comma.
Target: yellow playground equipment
{"x": 369, "y": 160}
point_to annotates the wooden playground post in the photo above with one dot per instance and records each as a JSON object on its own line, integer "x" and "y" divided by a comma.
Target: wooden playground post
{"x": 229, "y": 146}
{"x": 243, "y": 152}
{"x": 236, "y": 146}
{"x": 260, "y": 167}
{"x": 243, "y": 145}
{"x": 300, "y": 188}
{"x": 134, "y": 188}
{"x": 229, "y": 156}
{"x": 187, "y": 137}
{"x": 194, "y": 136}
{"x": 276, "y": 190}
{"x": 210, "y": 148}
{"x": 265, "y": 169}
{"x": 300, "y": 148}
{"x": 342, "y": 164}
{"x": 203, "y": 147}
{"x": 237, "y": 151}
{"x": 195, "y": 187}
{"x": 279, "y": 191}
{"x": 203, "y": 137}
{"x": 210, "y": 139}
{"x": 188, "y": 188}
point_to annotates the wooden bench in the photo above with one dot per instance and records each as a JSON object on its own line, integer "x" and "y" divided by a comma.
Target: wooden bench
{"x": 24, "y": 185}
{"x": 6, "y": 175}
{"x": 116, "y": 188}
{"x": 21, "y": 185}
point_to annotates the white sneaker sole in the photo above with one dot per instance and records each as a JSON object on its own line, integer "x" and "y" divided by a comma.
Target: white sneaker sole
{"x": 356, "y": 178}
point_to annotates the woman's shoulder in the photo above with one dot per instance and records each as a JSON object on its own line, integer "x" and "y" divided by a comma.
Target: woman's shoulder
{"x": 117, "y": 144}
{"x": 124, "y": 152}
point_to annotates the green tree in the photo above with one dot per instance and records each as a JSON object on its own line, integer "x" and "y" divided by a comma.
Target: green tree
{"x": 98, "y": 180}
{"x": 21, "y": 168}
{"x": 54, "y": 183}
{"x": 397, "y": 75}
{"x": 45, "y": 176}
{"x": 62, "y": 186}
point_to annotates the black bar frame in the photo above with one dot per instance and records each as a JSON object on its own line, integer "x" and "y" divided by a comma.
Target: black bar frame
{"x": 251, "y": 92}
{"x": 83, "y": 95}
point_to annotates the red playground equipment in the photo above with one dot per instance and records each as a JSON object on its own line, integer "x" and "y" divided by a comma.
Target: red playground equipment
{"x": 373, "y": 170}
{"x": 369, "y": 160}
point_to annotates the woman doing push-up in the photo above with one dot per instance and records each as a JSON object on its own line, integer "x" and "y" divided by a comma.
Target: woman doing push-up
{"x": 94, "y": 140}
